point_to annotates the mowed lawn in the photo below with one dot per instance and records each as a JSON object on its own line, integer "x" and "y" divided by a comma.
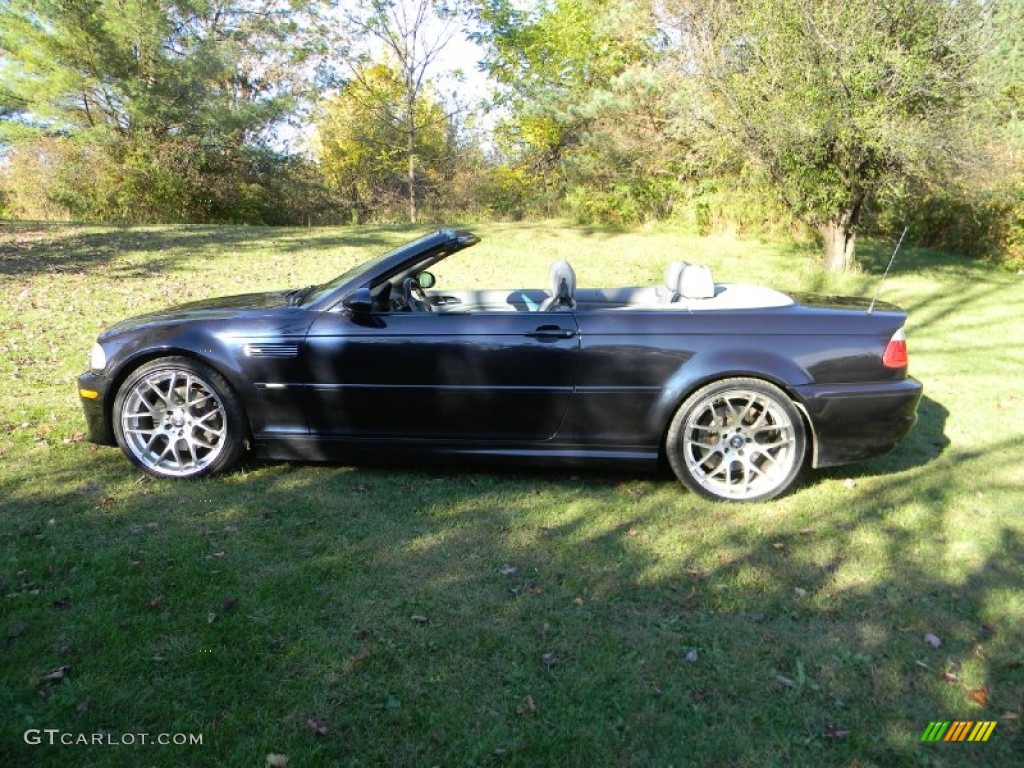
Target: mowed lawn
{"x": 339, "y": 615}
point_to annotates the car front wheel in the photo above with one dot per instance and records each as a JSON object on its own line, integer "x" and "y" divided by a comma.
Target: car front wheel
{"x": 176, "y": 417}
{"x": 737, "y": 440}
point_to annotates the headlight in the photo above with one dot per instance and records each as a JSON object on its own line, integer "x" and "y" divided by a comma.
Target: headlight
{"x": 97, "y": 358}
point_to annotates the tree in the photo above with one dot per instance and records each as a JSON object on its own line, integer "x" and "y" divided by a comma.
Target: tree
{"x": 835, "y": 100}
{"x": 556, "y": 66}
{"x": 413, "y": 33}
{"x": 362, "y": 142}
{"x": 171, "y": 95}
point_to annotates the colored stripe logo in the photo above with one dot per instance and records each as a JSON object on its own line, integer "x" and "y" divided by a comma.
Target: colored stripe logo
{"x": 958, "y": 730}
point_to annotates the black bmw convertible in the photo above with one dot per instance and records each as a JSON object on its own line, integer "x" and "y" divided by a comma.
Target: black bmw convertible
{"x": 736, "y": 386}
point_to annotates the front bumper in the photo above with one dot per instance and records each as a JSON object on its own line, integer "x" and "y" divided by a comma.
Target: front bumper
{"x": 852, "y": 422}
{"x": 97, "y": 409}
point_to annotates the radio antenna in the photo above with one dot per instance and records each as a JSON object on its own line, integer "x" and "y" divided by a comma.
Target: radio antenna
{"x": 892, "y": 258}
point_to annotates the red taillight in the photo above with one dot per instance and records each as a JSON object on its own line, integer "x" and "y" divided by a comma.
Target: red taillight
{"x": 896, "y": 351}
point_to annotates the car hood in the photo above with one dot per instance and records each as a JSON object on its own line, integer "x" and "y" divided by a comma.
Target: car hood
{"x": 222, "y": 307}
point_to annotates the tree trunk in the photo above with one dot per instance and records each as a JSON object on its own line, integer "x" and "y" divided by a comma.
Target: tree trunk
{"x": 840, "y": 241}
{"x": 412, "y": 171}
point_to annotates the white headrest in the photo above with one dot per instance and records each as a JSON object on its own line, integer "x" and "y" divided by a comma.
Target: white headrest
{"x": 696, "y": 282}
{"x": 672, "y": 274}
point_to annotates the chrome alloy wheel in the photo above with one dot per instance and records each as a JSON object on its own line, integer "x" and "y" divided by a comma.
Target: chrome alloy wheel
{"x": 174, "y": 423}
{"x": 740, "y": 444}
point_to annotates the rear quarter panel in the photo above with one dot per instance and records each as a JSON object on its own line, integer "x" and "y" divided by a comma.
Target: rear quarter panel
{"x": 636, "y": 367}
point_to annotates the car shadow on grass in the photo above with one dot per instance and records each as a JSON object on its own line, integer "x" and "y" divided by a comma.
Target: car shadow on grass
{"x": 424, "y": 615}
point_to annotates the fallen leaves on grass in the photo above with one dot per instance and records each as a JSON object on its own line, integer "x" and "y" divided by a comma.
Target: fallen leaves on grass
{"x": 687, "y": 654}
{"x": 319, "y": 726}
{"x": 276, "y": 761}
{"x": 507, "y": 570}
{"x": 155, "y": 602}
{"x": 549, "y": 659}
{"x": 526, "y": 705}
{"x": 228, "y": 603}
{"x": 56, "y": 676}
{"x": 979, "y": 696}
{"x": 833, "y": 731}
{"x": 63, "y": 602}
{"x": 362, "y": 654}
{"x": 933, "y": 640}
{"x": 783, "y": 682}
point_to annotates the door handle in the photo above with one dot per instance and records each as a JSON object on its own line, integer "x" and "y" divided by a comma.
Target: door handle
{"x": 552, "y": 332}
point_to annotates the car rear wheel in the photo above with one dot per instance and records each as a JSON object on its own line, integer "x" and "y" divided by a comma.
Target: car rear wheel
{"x": 176, "y": 417}
{"x": 737, "y": 440}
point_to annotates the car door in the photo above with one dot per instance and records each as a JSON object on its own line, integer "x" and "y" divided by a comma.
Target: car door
{"x": 503, "y": 375}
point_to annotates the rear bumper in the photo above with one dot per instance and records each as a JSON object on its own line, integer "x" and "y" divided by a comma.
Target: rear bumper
{"x": 95, "y": 408}
{"x": 858, "y": 421}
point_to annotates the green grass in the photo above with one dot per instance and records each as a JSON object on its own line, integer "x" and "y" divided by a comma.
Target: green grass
{"x": 382, "y": 601}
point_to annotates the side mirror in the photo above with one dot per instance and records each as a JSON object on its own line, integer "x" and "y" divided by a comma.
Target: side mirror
{"x": 360, "y": 301}
{"x": 426, "y": 280}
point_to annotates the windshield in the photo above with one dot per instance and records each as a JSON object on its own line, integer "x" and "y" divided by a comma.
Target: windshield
{"x": 322, "y": 290}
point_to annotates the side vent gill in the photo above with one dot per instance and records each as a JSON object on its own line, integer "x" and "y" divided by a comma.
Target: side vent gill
{"x": 270, "y": 350}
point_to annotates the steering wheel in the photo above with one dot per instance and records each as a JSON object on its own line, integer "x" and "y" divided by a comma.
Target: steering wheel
{"x": 413, "y": 296}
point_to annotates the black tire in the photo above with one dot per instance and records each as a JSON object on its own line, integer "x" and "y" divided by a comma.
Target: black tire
{"x": 737, "y": 439}
{"x": 177, "y": 417}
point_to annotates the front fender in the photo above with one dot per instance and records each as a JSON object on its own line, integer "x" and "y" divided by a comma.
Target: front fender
{"x": 220, "y": 352}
